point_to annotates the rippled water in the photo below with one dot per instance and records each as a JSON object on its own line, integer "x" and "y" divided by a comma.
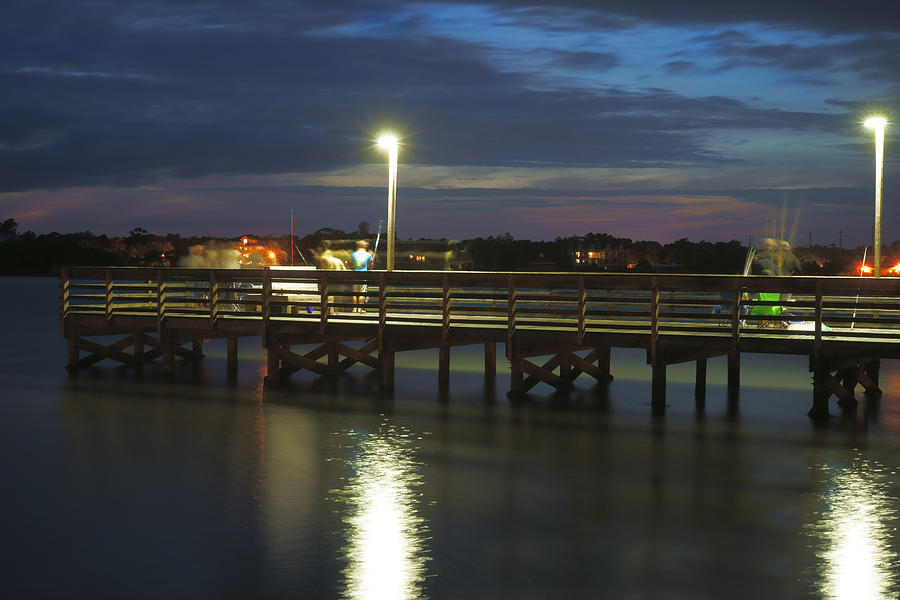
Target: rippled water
{"x": 117, "y": 486}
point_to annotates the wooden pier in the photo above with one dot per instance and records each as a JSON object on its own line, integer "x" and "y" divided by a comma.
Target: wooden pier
{"x": 554, "y": 326}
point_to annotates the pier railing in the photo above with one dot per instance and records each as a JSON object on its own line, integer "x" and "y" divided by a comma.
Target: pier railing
{"x": 655, "y": 305}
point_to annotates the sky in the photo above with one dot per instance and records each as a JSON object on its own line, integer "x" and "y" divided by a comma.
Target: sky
{"x": 646, "y": 119}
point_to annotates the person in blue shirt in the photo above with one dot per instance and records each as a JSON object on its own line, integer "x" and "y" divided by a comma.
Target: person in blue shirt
{"x": 360, "y": 261}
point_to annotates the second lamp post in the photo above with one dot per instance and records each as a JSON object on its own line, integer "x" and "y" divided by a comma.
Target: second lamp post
{"x": 390, "y": 143}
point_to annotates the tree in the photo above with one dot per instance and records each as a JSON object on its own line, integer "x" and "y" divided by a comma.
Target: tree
{"x": 9, "y": 227}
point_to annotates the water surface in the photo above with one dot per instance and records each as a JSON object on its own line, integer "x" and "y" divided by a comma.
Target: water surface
{"x": 126, "y": 486}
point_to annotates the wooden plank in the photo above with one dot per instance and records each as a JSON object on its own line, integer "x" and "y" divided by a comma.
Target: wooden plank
{"x": 537, "y": 374}
{"x": 100, "y": 352}
{"x": 363, "y": 355}
{"x": 586, "y": 365}
{"x": 301, "y": 362}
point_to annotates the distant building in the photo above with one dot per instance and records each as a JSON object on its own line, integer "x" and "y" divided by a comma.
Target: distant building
{"x": 603, "y": 258}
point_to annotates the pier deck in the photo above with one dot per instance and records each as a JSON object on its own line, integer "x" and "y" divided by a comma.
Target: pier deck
{"x": 844, "y": 324}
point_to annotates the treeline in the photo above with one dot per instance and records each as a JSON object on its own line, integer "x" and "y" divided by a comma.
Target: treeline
{"x": 32, "y": 254}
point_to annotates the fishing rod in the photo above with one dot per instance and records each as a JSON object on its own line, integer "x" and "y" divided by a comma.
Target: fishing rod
{"x": 377, "y": 238}
{"x": 301, "y": 254}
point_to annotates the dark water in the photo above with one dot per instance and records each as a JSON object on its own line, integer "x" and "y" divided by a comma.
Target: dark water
{"x": 123, "y": 487}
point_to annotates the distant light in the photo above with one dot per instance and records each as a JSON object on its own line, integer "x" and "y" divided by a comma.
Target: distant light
{"x": 865, "y": 269}
{"x": 388, "y": 141}
{"x": 875, "y": 122}
{"x": 271, "y": 255}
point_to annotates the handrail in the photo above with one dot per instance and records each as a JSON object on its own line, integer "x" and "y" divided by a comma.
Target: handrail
{"x": 656, "y": 305}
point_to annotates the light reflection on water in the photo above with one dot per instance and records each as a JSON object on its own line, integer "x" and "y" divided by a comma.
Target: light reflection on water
{"x": 385, "y": 536}
{"x": 854, "y": 531}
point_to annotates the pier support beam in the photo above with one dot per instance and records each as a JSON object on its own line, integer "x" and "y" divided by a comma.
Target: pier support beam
{"x": 444, "y": 364}
{"x": 386, "y": 355}
{"x": 734, "y": 369}
{"x": 138, "y": 351}
{"x": 658, "y": 389}
{"x": 700, "y": 385}
{"x": 840, "y": 376}
{"x": 821, "y": 394}
{"x": 231, "y": 354}
{"x": 490, "y": 360}
{"x": 167, "y": 346}
{"x": 517, "y": 376}
{"x": 273, "y": 361}
{"x": 73, "y": 353}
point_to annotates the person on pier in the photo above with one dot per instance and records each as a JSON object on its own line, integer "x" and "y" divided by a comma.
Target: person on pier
{"x": 360, "y": 261}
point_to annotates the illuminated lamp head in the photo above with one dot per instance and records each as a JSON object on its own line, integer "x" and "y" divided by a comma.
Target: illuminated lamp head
{"x": 388, "y": 141}
{"x": 875, "y": 122}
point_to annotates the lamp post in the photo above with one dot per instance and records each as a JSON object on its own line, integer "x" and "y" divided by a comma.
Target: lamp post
{"x": 390, "y": 143}
{"x": 878, "y": 124}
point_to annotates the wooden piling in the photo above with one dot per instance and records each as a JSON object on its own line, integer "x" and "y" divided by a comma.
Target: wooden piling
{"x": 232, "y": 353}
{"x": 700, "y": 385}
{"x": 386, "y": 355}
{"x": 490, "y": 360}
{"x": 658, "y": 389}
{"x": 734, "y": 369}
{"x": 167, "y": 345}
{"x": 73, "y": 352}
{"x": 821, "y": 393}
{"x": 444, "y": 364}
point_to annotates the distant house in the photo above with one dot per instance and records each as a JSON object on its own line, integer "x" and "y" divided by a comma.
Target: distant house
{"x": 603, "y": 258}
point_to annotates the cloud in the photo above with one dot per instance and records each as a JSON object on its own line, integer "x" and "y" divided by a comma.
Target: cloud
{"x": 826, "y": 15}
{"x": 122, "y": 99}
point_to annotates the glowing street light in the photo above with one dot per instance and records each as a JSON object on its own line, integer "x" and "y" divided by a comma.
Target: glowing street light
{"x": 878, "y": 124}
{"x": 390, "y": 143}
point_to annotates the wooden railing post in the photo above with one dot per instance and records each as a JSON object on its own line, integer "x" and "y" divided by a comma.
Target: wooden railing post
{"x": 108, "y": 296}
{"x": 166, "y": 346}
{"x": 382, "y": 311}
{"x": 213, "y": 297}
{"x": 654, "y": 318}
{"x": 64, "y": 285}
{"x": 582, "y": 309}
{"x": 160, "y": 301}
{"x": 323, "y": 304}
{"x": 736, "y": 287}
{"x": 445, "y": 308}
{"x": 657, "y": 365}
{"x": 817, "y": 344}
{"x": 510, "y": 314}
{"x": 266, "y": 296}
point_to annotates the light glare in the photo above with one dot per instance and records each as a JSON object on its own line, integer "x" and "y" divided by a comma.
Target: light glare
{"x": 388, "y": 141}
{"x": 876, "y": 122}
